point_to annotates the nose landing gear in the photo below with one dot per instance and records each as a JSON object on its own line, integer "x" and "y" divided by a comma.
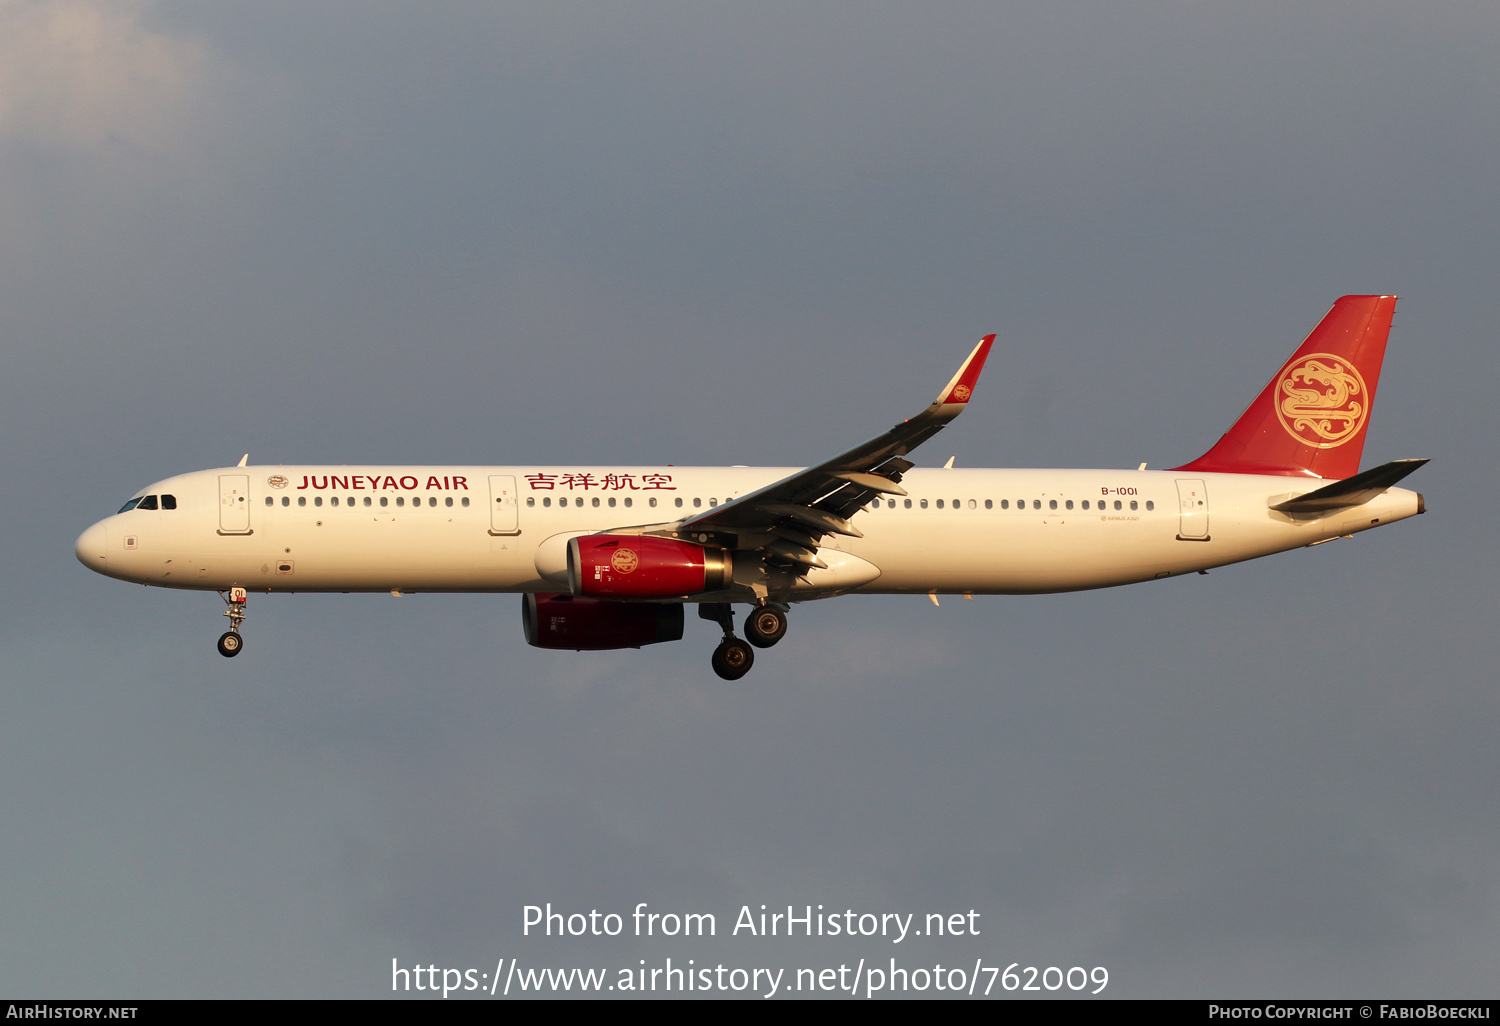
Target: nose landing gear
{"x": 230, "y": 642}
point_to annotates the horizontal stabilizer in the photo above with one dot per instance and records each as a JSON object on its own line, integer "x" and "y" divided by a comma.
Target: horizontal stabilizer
{"x": 1351, "y": 491}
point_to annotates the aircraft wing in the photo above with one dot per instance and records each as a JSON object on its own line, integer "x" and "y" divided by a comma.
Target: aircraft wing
{"x": 787, "y": 518}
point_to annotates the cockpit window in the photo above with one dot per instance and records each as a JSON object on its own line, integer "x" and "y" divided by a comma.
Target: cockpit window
{"x": 149, "y": 502}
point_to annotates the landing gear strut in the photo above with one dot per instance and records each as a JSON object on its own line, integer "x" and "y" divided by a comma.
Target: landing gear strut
{"x": 230, "y": 641}
{"x": 733, "y": 658}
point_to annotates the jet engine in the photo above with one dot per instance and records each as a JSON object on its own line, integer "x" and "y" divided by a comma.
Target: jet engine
{"x": 578, "y": 624}
{"x": 637, "y": 566}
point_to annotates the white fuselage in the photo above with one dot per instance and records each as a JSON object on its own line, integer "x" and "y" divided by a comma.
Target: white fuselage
{"x": 500, "y": 529}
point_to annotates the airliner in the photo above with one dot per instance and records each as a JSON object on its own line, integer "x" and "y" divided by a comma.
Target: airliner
{"x": 609, "y": 557}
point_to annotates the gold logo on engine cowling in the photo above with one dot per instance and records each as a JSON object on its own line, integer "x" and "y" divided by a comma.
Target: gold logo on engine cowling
{"x": 1321, "y": 400}
{"x": 961, "y": 393}
{"x": 624, "y": 561}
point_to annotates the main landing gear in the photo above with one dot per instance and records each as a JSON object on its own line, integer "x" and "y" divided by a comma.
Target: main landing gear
{"x": 733, "y": 658}
{"x": 230, "y": 641}
{"x": 765, "y": 626}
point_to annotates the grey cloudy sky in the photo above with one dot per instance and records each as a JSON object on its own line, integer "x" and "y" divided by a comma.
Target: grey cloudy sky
{"x": 743, "y": 234}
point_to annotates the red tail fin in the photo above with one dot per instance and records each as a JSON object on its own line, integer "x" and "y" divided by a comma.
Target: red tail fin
{"x": 1310, "y": 421}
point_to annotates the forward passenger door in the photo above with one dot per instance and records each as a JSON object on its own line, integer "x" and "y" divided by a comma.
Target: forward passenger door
{"x": 504, "y": 516}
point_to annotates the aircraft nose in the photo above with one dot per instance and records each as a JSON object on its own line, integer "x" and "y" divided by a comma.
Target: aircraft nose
{"x": 90, "y": 546}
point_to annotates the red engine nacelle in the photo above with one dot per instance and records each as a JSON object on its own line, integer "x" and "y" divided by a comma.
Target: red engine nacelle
{"x": 562, "y": 621}
{"x": 643, "y": 567}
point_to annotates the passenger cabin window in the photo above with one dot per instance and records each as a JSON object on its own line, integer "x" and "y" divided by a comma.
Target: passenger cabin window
{"x": 286, "y": 500}
{"x": 270, "y": 501}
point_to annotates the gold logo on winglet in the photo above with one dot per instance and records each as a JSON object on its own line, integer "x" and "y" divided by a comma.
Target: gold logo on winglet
{"x": 1321, "y": 401}
{"x": 961, "y": 393}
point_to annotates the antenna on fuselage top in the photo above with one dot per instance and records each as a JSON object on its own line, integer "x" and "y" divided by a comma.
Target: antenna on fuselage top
{"x": 243, "y": 460}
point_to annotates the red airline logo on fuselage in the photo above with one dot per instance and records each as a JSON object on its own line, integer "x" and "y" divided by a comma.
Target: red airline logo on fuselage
{"x": 376, "y": 483}
{"x": 608, "y": 483}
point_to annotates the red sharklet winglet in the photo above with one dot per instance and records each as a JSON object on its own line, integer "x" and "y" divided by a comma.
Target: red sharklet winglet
{"x": 1311, "y": 418}
{"x": 961, "y": 388}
